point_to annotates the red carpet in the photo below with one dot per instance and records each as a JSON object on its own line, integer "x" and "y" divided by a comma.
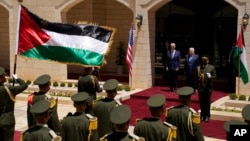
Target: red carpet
{"x": 137, "y": 103}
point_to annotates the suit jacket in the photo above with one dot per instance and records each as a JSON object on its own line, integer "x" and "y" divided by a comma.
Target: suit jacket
{"x": 172, "y": 63}
{"x": 190, "y": 65}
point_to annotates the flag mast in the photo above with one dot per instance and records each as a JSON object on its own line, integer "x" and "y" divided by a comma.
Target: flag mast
{"x": 17, "y": 36}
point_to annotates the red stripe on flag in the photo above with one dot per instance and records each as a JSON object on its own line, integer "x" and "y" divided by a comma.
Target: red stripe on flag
{"x": 30, "y": 34}
{"x": 129, "y": 58}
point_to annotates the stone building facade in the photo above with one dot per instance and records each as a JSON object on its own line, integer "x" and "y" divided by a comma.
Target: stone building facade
{"x": 119, "y": 14}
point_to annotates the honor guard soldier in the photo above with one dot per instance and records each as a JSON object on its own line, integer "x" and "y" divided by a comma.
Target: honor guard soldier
{"x": 152, "y": 128}
{"x": 246, "y": 113}
{"x": 7, "y": 105}
{"x": 40, "y": 131}
{"x": 205, "y": 75}
{"x": 103, "y": 107}
{"x": 89, "y": 83}
{"x": 80, "y": 126}
{"x": 43, "y": 83}
{"x": 227, "y": 127}
{"x": 120, "y": 117}
{"x": 186, "y": 119}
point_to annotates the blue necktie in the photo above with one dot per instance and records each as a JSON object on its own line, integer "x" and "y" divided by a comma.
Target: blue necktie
{"x": 190, "y": 58}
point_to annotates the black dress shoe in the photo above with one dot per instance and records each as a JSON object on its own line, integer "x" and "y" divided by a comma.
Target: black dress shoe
{"x": 202, "y": 118}
{"x": 206, "y": 119}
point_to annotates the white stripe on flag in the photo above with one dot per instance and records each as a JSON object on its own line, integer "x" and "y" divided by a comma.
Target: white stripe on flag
{"x": 78, "y": 42}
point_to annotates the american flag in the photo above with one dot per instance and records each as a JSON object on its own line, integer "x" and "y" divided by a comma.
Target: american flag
{"x": 129, "y": 58}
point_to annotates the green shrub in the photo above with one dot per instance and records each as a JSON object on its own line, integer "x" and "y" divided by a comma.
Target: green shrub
{"x": 249, "y": 98}
{"x": 233, "y": 96}
{"x": 127, "y": 88}
{"x": 242, "y": 97}
{"x": 62, "y": 84}
{"x": 119, "y": 88}
{"x": 70, "y": 84}
{"x": 76, "y": 84}
{"x": 28, "y": 82}
{"x": 55, "y": 84}
{"x": 10, "y": 80}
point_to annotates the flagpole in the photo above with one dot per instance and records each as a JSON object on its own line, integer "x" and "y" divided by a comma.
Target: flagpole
{"x": 17, "y": 39}
{"x": 132, "y": 27}
{"x": 238, "y": 93}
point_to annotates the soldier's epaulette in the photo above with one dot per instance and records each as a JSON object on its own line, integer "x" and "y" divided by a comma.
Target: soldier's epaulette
{"x": 167, "y": 109}
{"x": 195, "y": 116}
{"x": 118, "y": 102}
{"x": 99, "y": 98}
{"x": 137, "y": 120}
{"x": 172, "y": 130}
{"x": 192, "y": 110}
{"x": 105, "y": 136}
{"x": 135, "y": 137}
{"x": 92, "y": 122}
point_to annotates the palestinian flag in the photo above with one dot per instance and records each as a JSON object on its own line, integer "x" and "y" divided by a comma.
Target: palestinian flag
{"x": 79, "y": 44}
{"x": 240, "y": 58}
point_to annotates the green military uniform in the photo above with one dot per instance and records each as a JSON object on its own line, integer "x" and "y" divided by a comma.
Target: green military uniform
{"x": 7, "y": 105}
{"x": 90, "y": 84}
{"x": 227, "y": 127}
{"x": 185, "y": 119}
{"x": 120, "y": 116}
{"x": 40, "y": 132}
{"x": 79, "y": 126}
{"x": 152, "y": 128}
{"x": 103, "y": 107}
{"x": 205, "y": 75}
{"x": 33, "y": 98}
{"x": 246, "y": 113}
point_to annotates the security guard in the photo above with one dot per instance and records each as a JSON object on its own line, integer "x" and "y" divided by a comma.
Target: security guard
{"x": 7, "y": 105}
{"x": 205, "y": 75}
{"x": 80, "y": 126}
{"x": 43, "y": 83}
{"x": 103, "y": 107}
{"x": 89, "y": 83}
{"x": 120, "y": 117}
{"x": 41, "y": 131}
{"x": 150, "y": 128}
{"x": 227, "y": 127}
{"x": 186, "y": 119}
{"x": 246, "y": 113}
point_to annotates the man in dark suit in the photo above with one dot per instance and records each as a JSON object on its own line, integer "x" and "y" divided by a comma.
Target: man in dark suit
{"x": 173, "y": 60}
{"x": 191, "y": 62}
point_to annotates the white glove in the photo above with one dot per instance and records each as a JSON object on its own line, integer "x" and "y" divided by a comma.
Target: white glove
{"x": 14, "y": 76}
{"x": 209, "y": 75}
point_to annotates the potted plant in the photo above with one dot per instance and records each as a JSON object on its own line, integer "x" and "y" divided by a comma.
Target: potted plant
{"x": 120, "y": 58}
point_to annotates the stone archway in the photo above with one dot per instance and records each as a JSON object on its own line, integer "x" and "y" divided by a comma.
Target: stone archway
{"x": 154, "y": 7}
{"x": 110, "y": 13}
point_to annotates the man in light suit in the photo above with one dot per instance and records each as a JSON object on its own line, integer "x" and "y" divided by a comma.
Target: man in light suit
{"x": 173, "y": 60}
{"x": 191, "y": 62}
